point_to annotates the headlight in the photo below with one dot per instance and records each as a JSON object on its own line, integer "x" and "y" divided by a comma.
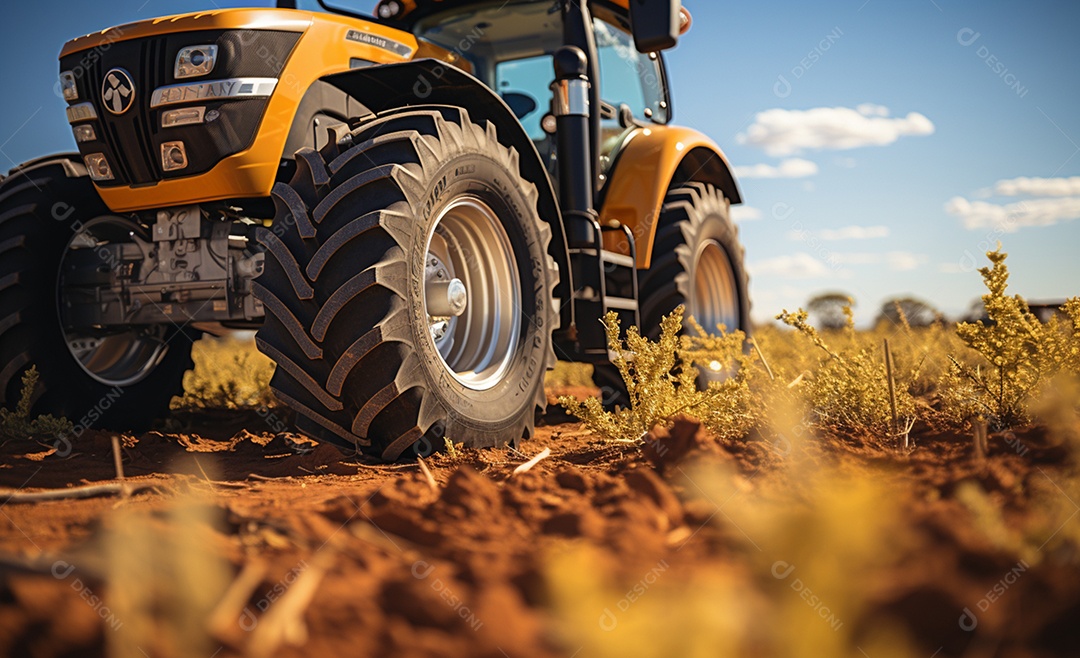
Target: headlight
{"x": 173, "y": 156}
{"x": 182, "y": 117}
{"x": 98, "y": 166}
{"x": 84, "y": 133}
{"x": 193, "y": 61}
{"x": 67, "y": 84}
{"x": 81, "y": 112}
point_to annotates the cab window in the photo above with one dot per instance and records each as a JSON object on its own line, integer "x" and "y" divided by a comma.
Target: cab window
{"x": 628, "y": 76}
{"x": 530, "y": 76}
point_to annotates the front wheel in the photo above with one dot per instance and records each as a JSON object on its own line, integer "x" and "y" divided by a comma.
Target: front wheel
{"x": 55, "y": 250}
{"x": 408, "y": 288}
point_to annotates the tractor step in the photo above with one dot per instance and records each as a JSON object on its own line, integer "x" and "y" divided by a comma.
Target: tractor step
{"x": 608, "y": 257}
{"x": 605, "y": 281}
{"x": 620, "y": 304}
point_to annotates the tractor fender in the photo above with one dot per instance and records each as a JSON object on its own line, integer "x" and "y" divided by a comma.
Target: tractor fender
{"x": 429, "y": 82}
{"x": 653, "y": 161}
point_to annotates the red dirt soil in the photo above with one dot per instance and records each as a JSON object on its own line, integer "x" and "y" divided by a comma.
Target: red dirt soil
{"x": 303, "y": 551}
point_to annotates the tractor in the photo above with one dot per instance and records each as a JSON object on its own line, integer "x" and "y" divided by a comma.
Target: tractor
{"x": 417, "y": 212}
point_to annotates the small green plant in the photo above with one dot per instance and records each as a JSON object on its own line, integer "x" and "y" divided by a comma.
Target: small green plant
{"x": 848, "y": 390}
{"x": 18, "y": 425}
{"x": 732, "y": 406}
{"x": 661, "y": 382}
{"x": 453, "y": 450}
{"x": 1017, "y": 354}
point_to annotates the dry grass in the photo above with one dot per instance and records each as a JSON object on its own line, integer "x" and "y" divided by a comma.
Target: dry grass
{"x": 945, "y": 378}
{"x": 661, "y": 382}
{"x": 1016, "y": 357}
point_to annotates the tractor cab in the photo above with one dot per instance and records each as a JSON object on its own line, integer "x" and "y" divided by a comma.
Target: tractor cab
{"x": 512, "y": 52}
{"x": 510, "y": 46}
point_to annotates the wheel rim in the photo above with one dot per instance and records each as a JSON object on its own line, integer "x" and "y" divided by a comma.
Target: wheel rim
{"x": 120, "y": 358}
{"x": 469, "y": 244}
{"x": 715, "y": 296}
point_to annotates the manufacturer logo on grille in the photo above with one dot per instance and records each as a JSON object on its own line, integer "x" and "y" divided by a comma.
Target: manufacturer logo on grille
{"x": 117, "y": 91}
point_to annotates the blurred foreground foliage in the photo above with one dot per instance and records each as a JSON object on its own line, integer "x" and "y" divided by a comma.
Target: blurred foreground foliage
{"x": 229, "y": 373}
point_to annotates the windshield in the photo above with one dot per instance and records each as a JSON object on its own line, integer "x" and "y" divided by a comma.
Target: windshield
{"x": 489, "y": 33}
{"x": 509, "y": 48}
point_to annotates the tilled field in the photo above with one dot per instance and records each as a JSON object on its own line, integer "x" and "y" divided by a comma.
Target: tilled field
{"x": 264, "y": 544}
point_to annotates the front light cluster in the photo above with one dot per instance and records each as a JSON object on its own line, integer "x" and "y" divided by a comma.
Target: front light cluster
{"x": 78, "y": 115}
{"x": 194, "y": 61}
{"x": 98, "y": 167}
{"x": 68, "y": 87}
{"x": 84, "y": 133}
{"x": 173, "y": 156}
{"x": 182, "y": 117}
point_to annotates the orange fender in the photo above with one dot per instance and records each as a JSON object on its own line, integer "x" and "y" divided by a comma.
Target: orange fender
{"x": 655, "y": 159}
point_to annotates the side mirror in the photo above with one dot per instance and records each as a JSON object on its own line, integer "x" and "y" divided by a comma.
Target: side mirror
{"x": 656, "y": 24}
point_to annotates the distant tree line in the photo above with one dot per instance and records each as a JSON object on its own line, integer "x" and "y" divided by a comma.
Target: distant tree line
{"x": 827, "y": 311}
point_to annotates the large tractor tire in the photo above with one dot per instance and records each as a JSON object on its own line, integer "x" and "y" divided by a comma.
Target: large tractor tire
{"x": 119, "y": 380}
{"x": 408, "y": 288}
{"x": 698, "y": 262}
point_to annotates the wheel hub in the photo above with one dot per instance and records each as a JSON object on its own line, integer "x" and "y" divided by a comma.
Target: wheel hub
{"x": 715, "y": 298}
{"x": 472, "y": 293}
{"x": 446, "y": 297}
{"x": 117, "y": 358}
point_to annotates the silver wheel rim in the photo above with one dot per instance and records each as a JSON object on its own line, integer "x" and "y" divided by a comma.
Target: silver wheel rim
{"x": 114, "y": 359}
{"x": 715, "y": 297}
{"x": 469, "y": 243}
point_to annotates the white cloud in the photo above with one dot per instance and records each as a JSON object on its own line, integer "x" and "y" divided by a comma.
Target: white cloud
{"x": 790, "y": 168}
{"x": 854, "y": 233}
{"x": 1039, "y": 186}
{"x": 952, "y": 268}
{"x": 782, "y": 132}
{"x": 843, "y": 233}
{"x": 796, "y": 266}
{"x": 1011, "y": 217}
{"x": 872, "y": 110}
{"x": 902, "y": 261}
{"x": 745, "y": 213}
{"x": 898, "y": 261}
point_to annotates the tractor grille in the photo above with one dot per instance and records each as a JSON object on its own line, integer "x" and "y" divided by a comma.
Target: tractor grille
{"x": 132, "y": 141}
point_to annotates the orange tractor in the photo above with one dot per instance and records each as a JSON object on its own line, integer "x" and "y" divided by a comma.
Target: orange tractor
{"x": 419, "y": 211}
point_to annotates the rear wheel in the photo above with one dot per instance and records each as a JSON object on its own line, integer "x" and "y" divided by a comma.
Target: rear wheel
{"x": 697, "y": 261}
{"x": 53, "y": 226}
{"x": 408, "y": 288}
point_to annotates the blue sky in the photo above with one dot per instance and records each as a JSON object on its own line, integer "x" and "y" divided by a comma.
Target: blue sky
{"x": 899, "y": 139}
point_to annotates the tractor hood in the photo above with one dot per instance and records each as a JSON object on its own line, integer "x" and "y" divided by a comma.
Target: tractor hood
{"x": 232, "y": 19}
{"x": 198, "y": 107}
